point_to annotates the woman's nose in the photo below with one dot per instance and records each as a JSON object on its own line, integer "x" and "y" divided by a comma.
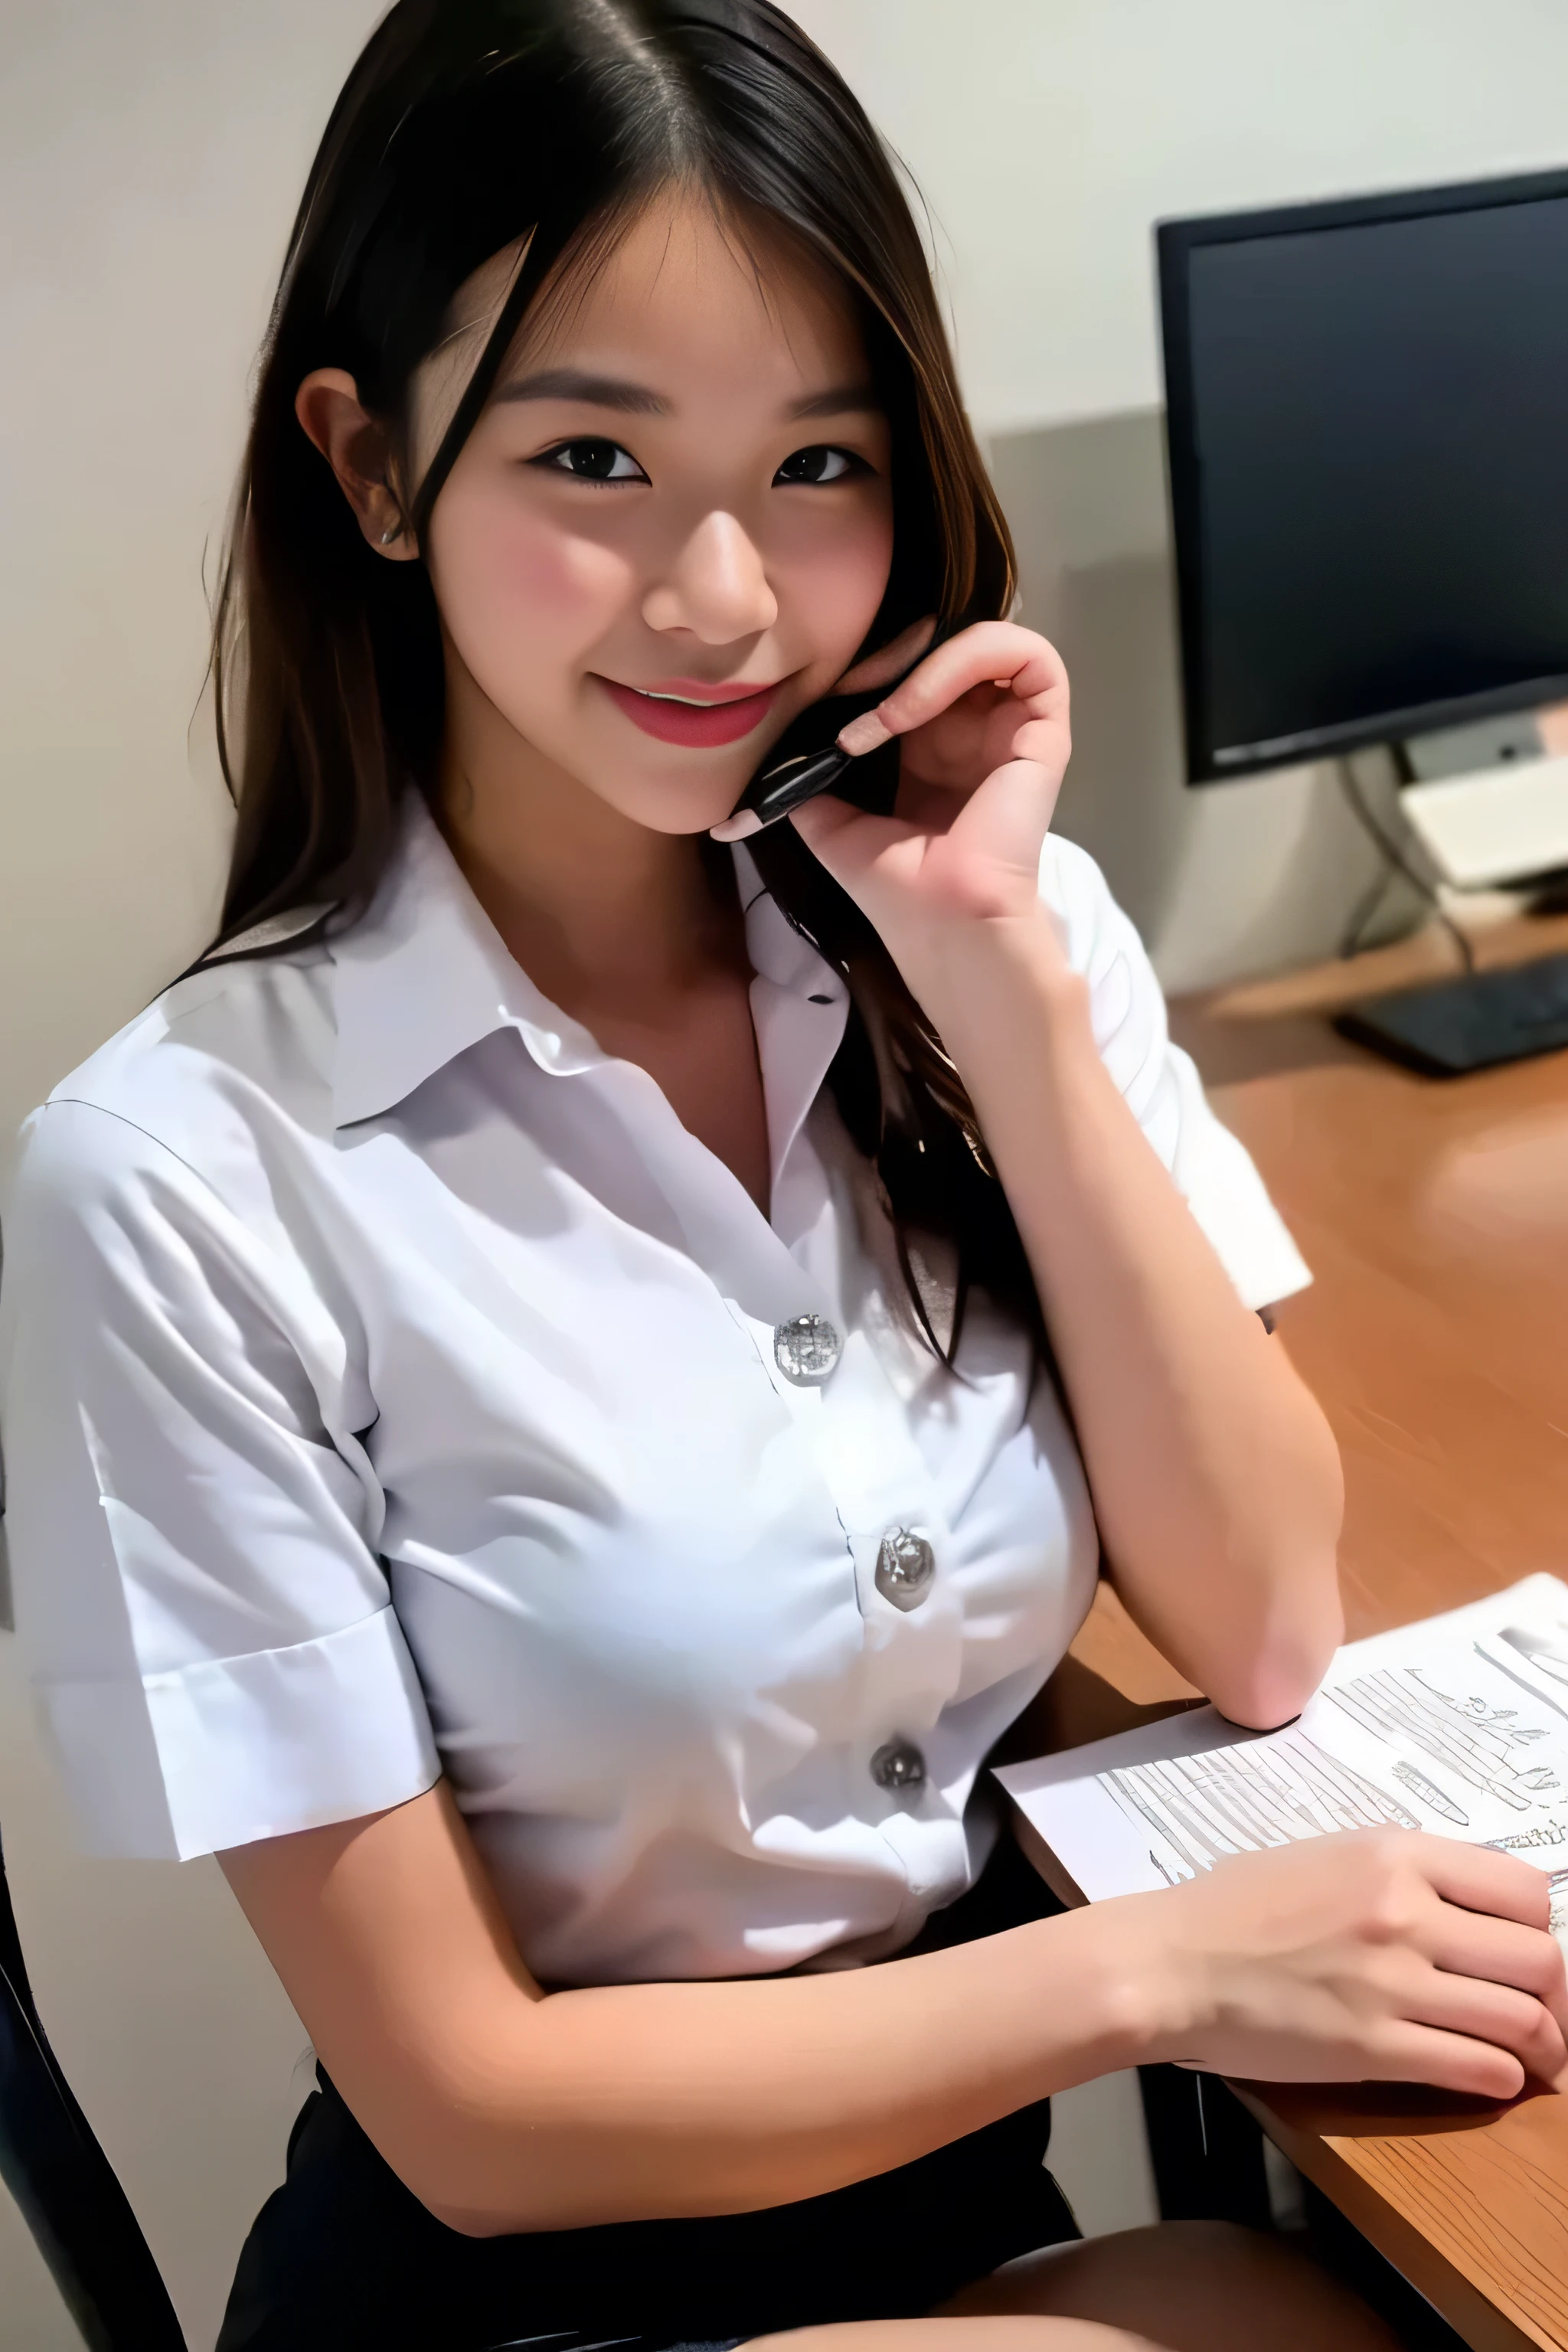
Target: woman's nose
{"x": 716, "y": 587}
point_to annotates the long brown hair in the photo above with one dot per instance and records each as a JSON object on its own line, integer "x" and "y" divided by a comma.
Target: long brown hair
{"x": 465, "y": 126}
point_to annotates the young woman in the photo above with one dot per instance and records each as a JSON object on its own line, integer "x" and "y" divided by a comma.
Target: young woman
{"x": 574, "y": 1379}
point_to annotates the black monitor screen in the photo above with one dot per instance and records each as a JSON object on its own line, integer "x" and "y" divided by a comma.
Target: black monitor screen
{"x": 1368, "y": 410}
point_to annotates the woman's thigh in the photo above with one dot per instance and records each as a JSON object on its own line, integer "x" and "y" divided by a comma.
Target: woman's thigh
{"x": 1185, "y": 2286}
{"x": 1017, "y": 2333}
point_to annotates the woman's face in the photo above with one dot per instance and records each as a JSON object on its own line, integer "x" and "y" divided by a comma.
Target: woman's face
{"x": 672, "y": 526}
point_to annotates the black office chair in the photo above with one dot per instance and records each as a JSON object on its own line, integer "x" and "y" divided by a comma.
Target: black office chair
{"x": 64, "y": 2184}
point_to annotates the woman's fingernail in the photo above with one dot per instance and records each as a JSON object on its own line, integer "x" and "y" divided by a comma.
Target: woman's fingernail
{"x": 738, "y": 828}
{"x": 865, "y": 734}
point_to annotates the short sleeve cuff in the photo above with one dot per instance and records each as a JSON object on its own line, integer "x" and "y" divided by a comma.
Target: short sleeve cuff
{"x": 247, "y": 1747}
{"x": 1252, "y": 1245}
{"x": 1227, "y": 1196}
{"x": 1160, "y": 1083}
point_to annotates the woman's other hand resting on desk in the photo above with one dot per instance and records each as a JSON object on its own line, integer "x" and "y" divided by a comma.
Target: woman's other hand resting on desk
{"x": 1381, "y": 1955}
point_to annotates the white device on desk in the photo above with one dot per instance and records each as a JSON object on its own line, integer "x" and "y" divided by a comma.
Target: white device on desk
{"x": 1488, "y": 803}
{"x": 1496, "y": 826}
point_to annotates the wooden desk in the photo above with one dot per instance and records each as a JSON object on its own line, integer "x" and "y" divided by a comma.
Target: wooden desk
{"x": 1435, "y": 1216}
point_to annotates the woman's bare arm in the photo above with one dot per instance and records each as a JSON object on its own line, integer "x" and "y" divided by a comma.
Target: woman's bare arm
{"x": 505, "y": 2108}
{"x": 1215, "y": 1480}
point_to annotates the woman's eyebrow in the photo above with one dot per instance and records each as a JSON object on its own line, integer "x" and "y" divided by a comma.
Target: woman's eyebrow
{"x": 838, "y": 400}
{"x": 639, "y": 400}
{"x": 596, "y": 390}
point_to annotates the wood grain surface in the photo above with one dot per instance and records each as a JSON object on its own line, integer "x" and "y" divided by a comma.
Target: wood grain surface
{"x": 1434, "y": 1213}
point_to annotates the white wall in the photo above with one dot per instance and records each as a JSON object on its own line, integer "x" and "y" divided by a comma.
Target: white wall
{"x": 151, "y": 153}
{"x": 1048, "y": 134}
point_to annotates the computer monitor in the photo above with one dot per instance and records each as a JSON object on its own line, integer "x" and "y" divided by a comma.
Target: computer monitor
{"x": 1367, "y": 416}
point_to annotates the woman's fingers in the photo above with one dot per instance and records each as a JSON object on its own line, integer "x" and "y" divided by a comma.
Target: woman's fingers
{"x": 992, "y": 653}
{"x": 881, "y": 669}
{"x": 1479, "y": 1961}
{"x": 1469, "y": 1944}
{"x": 1481, "y": 1879}
{"x": 1449, "y": 2062}
{"x": 1485, "y": 2011}
{"x": 1492, "y": 1925}
{"x": 821, "y": 822}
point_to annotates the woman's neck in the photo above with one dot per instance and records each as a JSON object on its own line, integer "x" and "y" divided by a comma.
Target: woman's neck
{"x": 629, "y": 931}
{"x": 601, "y": 912}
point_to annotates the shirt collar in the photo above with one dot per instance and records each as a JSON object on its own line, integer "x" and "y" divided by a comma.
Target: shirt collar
{"x": 799, "y": 1007}
{"x": 424, "y": 974}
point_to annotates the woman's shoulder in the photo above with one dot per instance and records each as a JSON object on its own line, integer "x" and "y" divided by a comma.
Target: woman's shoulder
{"x": 232, "y": 1052}
{"x": 1127, "y": 1004}
{"x": 1093, "y": 928}
{"x": 1160, "y": 1083}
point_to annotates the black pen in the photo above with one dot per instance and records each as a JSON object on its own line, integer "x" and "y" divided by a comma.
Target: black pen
{"x": 776, "y": 789}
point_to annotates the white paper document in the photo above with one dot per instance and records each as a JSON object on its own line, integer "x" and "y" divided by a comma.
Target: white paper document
{"x": 1458, "y": 1725}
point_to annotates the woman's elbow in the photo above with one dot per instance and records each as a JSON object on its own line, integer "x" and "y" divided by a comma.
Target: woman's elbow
{"x": 478, "y": 2200}
{"x": 1269, "y": 1684}
{"x": 470, "y": 2224}
{"x": 470, "y": 2158}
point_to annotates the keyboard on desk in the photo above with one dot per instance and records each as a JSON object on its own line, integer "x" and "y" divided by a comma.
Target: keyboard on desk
{"x": 1470, "y": 1023}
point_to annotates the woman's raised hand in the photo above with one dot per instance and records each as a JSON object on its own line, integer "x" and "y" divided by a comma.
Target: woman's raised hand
{"x": 1377, "y": 1955}
{"x": 983, "y": 724}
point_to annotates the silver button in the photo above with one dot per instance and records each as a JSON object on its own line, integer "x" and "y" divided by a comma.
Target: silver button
{"x": 806, "y": 1349}
{"x": 899, "y": 1765}
{"x": 905, "y": 1566}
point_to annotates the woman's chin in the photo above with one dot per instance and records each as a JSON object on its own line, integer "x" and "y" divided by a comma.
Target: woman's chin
{"x": 674, "y": 804}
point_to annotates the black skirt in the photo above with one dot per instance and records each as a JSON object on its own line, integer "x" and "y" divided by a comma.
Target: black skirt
{"x": 343, "y": 2256}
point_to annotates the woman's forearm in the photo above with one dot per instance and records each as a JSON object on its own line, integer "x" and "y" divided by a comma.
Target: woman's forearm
{"x": 648, "y": 2101}
{"x": 504, "y": 2109}
{"x": 1215, "y": 1480}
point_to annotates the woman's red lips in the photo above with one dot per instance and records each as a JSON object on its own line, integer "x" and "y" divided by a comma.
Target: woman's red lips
{"x": 684, "y": 710}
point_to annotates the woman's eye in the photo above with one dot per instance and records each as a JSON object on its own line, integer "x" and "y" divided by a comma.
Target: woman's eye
{"x": 594, "y": 461}
{"x": 818, "y": 464}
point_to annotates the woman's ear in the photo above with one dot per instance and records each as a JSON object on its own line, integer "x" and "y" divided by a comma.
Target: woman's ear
{"x": 356, "y": 448}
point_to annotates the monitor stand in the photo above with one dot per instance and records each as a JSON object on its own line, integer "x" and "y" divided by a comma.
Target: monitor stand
{"x": 1480, "y": 826}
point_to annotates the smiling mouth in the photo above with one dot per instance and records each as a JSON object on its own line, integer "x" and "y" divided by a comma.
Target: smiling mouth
{"x": 702, "y": 720}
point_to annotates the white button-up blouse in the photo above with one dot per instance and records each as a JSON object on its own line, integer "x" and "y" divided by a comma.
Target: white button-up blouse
{"x": 395, "y": 1390}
